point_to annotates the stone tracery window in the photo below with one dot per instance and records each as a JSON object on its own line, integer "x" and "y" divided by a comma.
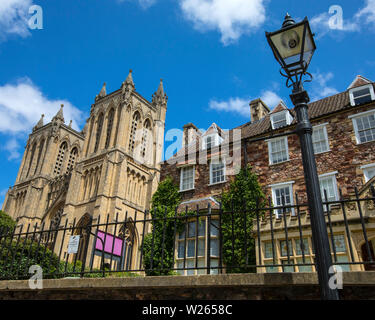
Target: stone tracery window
{"x": 109, "y": 128}
{"x": 72, "y": 159}
{"x": 127, "y": 233}
{"x": 146, "y": 130}
{"x": 133, "y": 131}
{"x": 41, "y": 145}
{"x": 60, "y": 158}
{"x": 99, "y": 131}
{"x": 31, "y": 159}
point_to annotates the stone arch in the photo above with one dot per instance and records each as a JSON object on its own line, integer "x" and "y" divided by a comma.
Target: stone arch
{"x": 32, "y": 154}
{"x": 128, "y": 233}
{"x": 42, "y": 141}
{"x": 110, "y": 123}
{"x": 81, "y": 229}
{"x": 60, "y": 157}
{"x": 73, "y": 156}
{"x": 99, "y": 129}
{"x": 135, "y": 122}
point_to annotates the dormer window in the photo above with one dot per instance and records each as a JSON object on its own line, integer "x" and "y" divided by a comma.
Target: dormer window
{"x": 211, "y": 141}
{"x": 281, "y": 119}
{"x": 362, "y": 95}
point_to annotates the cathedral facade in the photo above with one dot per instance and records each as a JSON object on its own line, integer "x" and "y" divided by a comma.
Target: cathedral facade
{"x": 111, "y": 167}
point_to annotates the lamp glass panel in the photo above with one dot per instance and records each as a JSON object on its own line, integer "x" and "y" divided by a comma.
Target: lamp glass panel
{"x": 289, "y": 43}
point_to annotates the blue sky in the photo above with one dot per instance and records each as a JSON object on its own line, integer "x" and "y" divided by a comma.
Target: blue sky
{"x": 212, "y": 55}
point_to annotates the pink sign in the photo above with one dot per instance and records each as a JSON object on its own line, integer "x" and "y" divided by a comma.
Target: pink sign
{"x": 109, "y": 243}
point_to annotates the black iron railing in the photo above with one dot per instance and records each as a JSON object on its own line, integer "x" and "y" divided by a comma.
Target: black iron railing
{"x": 258, "y": 238}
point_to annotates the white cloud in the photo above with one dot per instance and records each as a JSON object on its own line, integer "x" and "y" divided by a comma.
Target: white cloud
{"x": 231, "y": 18}
{"x": 368, "y": 12}
{"x": 236, "y": 105}
{"x": 241, "y": 106}
{"x": 14, "y": 15}
{"x": 320, "y": 88}
{"x": 21, "y": 106}
{"x": 270, "y": 98}
{"x": 12, "y": 146}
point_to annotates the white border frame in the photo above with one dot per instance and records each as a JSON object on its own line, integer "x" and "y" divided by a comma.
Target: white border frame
{"x": 365, "y": 170}
{"x": 270, "y": 153}
{"x": 225, "y": 171}
{"x": 359, "y": 115}
{"x": 282, "y": 185}
{"x": 335, "y": 189}
{"x": 351, "y": 91}
{"x": 318, "y": 126}
{"x": 182, "y": 169}
{"x": 288, "y": 118}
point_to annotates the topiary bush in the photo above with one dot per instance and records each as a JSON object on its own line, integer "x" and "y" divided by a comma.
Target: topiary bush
{"x": 242, "y": 198}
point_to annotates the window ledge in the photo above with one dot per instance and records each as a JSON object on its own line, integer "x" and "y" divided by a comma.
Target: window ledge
{"x": 361, "y": 143}
{"x": 275, "y": 164}
{"x": 217, "y": 183}
{"x": 316, "y": 153}
{"x": 187, "y": 190}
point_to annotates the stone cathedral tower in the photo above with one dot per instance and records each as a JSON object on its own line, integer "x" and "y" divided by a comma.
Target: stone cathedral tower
{"x": 111, "y": 167}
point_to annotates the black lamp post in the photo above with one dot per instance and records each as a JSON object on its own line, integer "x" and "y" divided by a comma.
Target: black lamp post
{"x": 293, "y": 46}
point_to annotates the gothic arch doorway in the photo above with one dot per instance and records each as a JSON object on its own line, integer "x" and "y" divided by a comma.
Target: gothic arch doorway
{"x": 128, "y": 233}
{"x": 81, "y": 229}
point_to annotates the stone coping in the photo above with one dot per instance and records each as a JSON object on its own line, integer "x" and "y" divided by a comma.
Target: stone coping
{"x": 364, "y": 278}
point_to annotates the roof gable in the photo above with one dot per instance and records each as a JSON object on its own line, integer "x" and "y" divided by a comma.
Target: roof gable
{"x": 359, "y": 81}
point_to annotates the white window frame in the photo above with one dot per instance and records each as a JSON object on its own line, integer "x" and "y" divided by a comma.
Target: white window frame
{"x": 193, "y": 258}
{"x": 215, "y": 140}
{"x": 181, "y": 180}
{"x": 270, "y": 150}
{"x": 354, "y": 118}
{"x": 365, "y": 169}
{"x": 319, "y": 126}
{"x": 273, "y": 187}
{"x": 351, "y": 91}
{"x": 211, "y": 178}
{"x": 288, "y": 118}
{"x": 335, "y": 189}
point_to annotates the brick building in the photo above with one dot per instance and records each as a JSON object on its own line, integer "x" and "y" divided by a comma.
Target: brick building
{"x": 344, "y": 145}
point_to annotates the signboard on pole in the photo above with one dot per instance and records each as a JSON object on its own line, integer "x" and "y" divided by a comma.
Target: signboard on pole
{"x": 73, "y": 244}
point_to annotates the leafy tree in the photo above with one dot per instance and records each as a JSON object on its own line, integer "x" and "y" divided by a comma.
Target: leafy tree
{"x": 164, "y": 201}
{"x": 6, "y": 222}
{"x": 242, "y": 198}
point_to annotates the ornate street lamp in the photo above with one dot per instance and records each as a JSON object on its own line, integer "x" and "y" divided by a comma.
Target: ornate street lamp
{"x": 293, "y": 46}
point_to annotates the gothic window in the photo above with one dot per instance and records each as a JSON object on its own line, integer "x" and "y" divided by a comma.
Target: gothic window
{"x": 146, "y": 130}
{"x": 91, "y": 131}
{"x": 60, "y": 158}
{"x": 81, "y": 230}
{"x": 109, "y": 128}
{"x": 127, "y": 233}
{"x": 133, "y": 131}
{"x": 98, "y": 132}
{"x": 41, "y": 145}
{"x": 72, "y": 159}
{"x": 56, "y": 218}
{"x": 31, "y": 159}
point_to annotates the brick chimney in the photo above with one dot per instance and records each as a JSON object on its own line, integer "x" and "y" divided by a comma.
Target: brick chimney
{"x": 189, "y": 134}
{"x": 258, "y": 110}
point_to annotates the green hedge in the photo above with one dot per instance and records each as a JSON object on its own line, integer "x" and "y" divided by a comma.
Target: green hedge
{"x": 16, "y": 259}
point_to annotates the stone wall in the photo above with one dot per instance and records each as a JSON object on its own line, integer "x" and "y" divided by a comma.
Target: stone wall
{"x": 281, "y": 286}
